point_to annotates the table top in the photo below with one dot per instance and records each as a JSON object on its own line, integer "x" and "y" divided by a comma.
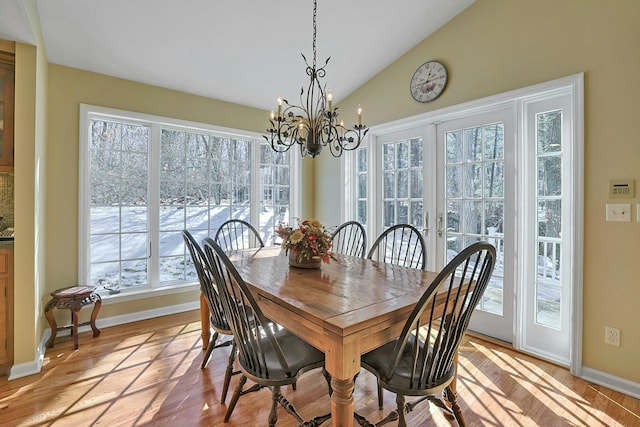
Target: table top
{"x": 343, "y": 297}
{"x": 73, "y": 292}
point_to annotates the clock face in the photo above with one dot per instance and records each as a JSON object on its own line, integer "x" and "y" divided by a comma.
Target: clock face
{"x": 428, "y": 81}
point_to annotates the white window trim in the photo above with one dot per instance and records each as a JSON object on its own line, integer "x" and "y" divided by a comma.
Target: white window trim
{"x": 154, "y": 289}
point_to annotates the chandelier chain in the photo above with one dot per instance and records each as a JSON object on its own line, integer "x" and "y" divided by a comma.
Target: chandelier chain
{"x": 315, "y": 7}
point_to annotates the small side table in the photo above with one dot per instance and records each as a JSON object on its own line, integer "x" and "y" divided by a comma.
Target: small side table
{"x": 73, "y": 298}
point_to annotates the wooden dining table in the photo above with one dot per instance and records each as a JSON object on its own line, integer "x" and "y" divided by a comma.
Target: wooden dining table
{"x": 345, "y": 308}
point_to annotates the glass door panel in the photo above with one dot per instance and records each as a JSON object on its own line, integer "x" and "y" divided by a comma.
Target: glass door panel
{"x": 474, "y": 190}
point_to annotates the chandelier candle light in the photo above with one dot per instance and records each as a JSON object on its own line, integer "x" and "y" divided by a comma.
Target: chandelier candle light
{"x": 314, "y": 124}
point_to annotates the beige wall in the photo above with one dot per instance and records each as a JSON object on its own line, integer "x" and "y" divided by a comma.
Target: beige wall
{"x": 28, "y": 256}
{"x": 499, "y": 45}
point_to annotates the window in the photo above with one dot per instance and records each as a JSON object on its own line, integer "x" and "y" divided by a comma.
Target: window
{"x": 144, "y": 179}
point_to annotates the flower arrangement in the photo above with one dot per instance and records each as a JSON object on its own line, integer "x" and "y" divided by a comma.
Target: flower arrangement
{"x": 310, "y": 241}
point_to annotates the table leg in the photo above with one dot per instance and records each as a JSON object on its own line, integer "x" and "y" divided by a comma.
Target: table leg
{"x": 342, "y": 362}
{"x": 342, "y": 406}
{"x": 205, "y": 322}
{"x": 48, "y": 313}
{"x": 74, "y": 316}
{"x": 94, "y": 316}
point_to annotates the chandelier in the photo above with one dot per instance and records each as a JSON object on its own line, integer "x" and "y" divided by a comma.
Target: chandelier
{"x": 314, "y": 123}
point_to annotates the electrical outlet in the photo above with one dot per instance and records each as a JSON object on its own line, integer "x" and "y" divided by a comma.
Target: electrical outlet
{"x": 612, "y": 336}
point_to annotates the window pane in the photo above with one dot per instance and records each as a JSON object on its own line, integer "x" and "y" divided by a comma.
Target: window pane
{"x": 549, "y": 176}
{"x": 361, "y": 188}
{"x": 133, "y": 245}
{"x": 454, "y": 212}
{"x": 416, "y": 184}
{"x": 494, "y": 141}
{"x": 389, "y": 184}
{"x": 548, "y": 305}
{"x": 493, "y": 217}
{"x": 473, "y": 144}
{"x": 402, "y": 212}
{"x": 416, "y": 214}
{"x": 549, "y": 132}
{"x": 472, "y": 217}
{"x": 549, "y": 218}
{"x": 472, "y": 182}
{"x": 402, "y": 155}
{"x": 361, "y": 191}
{"x": 403, "y": 185}
{"x": 388, "y": 156}
{"x": 389, "y": 214}
{"x": 416, "y": 153}
{"x": 362, "y": 212}
{"x": 454, "y": 181}
{"x": 454, "y": 147}
{"x": 494, "y": 179}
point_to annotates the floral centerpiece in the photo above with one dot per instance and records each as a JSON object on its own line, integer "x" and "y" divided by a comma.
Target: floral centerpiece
{"x": 308, "y": 243}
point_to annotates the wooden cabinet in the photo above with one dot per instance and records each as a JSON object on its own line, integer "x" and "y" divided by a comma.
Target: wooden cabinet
{"x": 6, "y": 310}
{"x": 7, "y": 90}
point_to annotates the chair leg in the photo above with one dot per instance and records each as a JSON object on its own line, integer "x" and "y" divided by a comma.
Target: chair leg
{"x": 229, "y": 373}
{"x": 288, "y": 406}
{"x": 210, "y": 347}
{"x": 380, "y": 395}
{"x": 400, "y": 408}
{"x": 235, "y": 397}
{"x": 457, "y": 411}
{"x": 273, "y": 414}
{"x": 327, "y": 378}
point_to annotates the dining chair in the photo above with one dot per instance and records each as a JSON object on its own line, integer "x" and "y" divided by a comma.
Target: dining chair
{"x": 270, "y": 357}
{"x": 349, "y": 238}
{"x": 219, "y": 322}
{"x": 237, "y": 234}
{"x": 422, "y": 360}
{"x": 401, "y": 244}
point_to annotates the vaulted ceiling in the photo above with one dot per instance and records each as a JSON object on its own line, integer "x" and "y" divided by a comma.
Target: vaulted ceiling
{"x": 242, "y": 51}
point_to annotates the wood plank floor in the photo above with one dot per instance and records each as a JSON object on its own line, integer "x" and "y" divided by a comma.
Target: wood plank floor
{"x": 148, "y": 373}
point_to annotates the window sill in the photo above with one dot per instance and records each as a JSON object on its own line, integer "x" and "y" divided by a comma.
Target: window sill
{"x": 109, "y": 298}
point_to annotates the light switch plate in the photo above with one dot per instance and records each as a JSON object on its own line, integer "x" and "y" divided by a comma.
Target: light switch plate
{"x": 619, "y": 212}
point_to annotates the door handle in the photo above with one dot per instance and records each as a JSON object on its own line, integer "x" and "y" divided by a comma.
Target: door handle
{"x": 425, "y": 229}
{"x": 440, "y": 223}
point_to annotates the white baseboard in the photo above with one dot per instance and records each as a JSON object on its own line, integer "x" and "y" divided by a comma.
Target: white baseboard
{"x": 610, "y": 381}
{"x": 33, "y": 367}
{"x": 30, "y": 368}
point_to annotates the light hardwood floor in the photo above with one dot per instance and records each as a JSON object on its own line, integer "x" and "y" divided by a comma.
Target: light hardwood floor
{"x": 148, "y": 373}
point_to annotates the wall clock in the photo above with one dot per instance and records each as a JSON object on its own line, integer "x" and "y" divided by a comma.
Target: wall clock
{"x": 428, "y": 81}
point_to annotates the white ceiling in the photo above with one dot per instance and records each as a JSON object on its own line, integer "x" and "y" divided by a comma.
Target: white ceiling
{"x": 242, "y": 51}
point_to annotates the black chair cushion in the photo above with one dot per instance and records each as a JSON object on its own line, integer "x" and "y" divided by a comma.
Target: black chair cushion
{"x": 298, "y": 354}
{"x": 402, "y": 381}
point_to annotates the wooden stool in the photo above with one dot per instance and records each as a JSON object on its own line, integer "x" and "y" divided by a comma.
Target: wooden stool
{"x": 73, "y": 298}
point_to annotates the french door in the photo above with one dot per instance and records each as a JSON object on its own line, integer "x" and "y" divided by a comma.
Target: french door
{"x": 475, "y": 201}
{"x": 508, "y": 171}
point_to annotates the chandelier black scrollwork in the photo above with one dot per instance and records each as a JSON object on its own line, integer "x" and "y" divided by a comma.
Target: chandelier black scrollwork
{"x": 314, "y": 123}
